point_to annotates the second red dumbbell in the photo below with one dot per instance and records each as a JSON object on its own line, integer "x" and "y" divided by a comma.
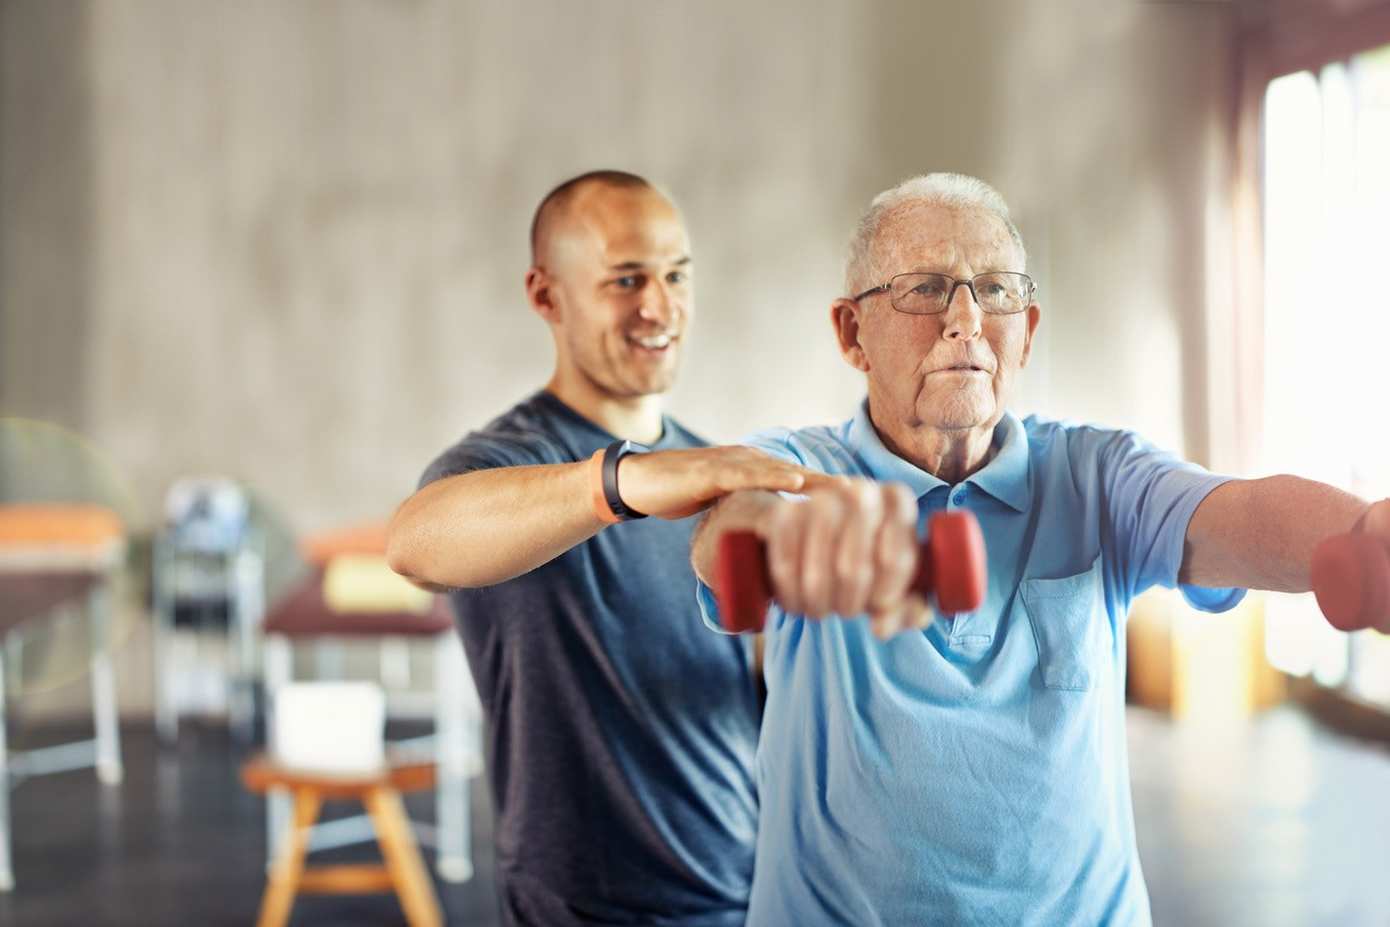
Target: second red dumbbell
{"x": 1351, "y": 579}
{"x": 950, "y": 571}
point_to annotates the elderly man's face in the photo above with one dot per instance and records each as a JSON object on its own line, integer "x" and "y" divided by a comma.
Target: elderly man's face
{"x": 954, "y": 370}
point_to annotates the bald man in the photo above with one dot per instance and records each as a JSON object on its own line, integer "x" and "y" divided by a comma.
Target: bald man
{"x": 620, "y": 734}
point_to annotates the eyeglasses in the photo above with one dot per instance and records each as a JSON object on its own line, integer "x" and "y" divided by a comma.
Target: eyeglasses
{"x": 997, "y": 293}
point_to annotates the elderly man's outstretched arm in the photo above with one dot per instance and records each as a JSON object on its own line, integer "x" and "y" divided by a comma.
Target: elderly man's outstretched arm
{"x": 1260, "y": 534}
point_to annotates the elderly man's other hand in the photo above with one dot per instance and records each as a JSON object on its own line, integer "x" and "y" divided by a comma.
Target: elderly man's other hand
{"x": 850, "y": 548}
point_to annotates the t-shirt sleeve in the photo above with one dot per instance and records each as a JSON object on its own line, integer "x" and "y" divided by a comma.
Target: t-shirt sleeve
{"x": 1150, "y": 496}
{"x": 485, "y": 450}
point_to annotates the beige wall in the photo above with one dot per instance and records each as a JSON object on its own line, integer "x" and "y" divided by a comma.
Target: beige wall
{"x": 46, "y": 152}
{"x": 291, "y": 236}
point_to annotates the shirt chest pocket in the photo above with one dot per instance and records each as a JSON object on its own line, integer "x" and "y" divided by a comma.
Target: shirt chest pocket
{"x": 1071, "y": 628}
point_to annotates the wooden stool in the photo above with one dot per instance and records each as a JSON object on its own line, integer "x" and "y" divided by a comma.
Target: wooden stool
{"x": 404, "y": 871}
{"x": 306, "y": 614}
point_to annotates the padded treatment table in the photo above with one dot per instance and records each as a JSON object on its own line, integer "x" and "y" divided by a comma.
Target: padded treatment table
{"x": 55, "y": 558}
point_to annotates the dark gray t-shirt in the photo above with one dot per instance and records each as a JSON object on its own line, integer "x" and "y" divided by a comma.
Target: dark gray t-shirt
{"x": 620, "y": 731}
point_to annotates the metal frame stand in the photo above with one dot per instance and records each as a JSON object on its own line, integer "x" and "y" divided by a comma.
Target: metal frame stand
{"x": 244, "y": 573}
{"x": 102, "y": 752}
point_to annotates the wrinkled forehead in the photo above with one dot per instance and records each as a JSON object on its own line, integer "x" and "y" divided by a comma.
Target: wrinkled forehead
{"x": 949, "y": 239}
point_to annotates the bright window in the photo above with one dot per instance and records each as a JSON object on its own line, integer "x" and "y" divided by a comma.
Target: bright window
{"x": 1327, "y": 325}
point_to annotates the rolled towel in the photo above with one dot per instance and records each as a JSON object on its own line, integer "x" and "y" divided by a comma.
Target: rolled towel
{"x": 364, "y": 583}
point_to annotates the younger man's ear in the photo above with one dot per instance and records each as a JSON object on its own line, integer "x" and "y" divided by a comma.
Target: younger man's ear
{"x": 540, "y": 294}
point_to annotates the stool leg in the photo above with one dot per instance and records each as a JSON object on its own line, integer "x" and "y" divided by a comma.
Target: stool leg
{"x": 289, "y": 865}
{"x": 402, "y": 856}
{"x": 279, "y": 670}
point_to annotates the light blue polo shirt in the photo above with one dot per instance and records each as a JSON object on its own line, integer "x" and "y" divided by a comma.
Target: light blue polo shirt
{"x": 975, "y": 772}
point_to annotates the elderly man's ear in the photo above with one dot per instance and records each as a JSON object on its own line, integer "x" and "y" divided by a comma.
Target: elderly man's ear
{"x": 1034, "y": 313}
{"x": 844, "y": 315}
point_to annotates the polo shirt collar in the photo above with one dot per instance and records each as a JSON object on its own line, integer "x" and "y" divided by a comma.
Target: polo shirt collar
{"x": 1005, "y": 477}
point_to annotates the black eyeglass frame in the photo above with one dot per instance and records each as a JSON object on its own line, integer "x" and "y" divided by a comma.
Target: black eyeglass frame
{"x": 956, "y": 283}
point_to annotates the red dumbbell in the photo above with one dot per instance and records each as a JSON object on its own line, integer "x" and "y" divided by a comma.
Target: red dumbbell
{"x": 950, "y": 566}
{"x": 1351, "y": 578}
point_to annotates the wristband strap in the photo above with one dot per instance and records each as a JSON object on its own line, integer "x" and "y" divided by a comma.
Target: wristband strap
{"x": 612, "y": 456}
{"x": 596, "y": 495}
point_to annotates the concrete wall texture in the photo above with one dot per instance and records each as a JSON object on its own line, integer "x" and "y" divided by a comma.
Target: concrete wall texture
{"x": 285, "y": 242}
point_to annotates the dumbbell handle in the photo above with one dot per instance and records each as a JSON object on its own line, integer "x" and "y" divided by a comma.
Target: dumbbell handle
{"x": 1351, "y": 579}
{"x": 950, "y": 566}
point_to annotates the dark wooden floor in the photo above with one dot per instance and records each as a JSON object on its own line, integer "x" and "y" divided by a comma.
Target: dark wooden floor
{"x": 181, "y": 842}
{"x": 1271, "y": 823}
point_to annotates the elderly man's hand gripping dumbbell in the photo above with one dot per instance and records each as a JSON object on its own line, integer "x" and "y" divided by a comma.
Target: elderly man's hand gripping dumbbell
{"x": 849, "y": 548}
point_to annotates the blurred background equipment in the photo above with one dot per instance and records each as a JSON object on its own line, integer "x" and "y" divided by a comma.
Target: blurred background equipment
{"x": 208, "y": 580}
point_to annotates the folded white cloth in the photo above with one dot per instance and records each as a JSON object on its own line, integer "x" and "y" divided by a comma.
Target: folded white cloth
{"x": 332, "y": 728}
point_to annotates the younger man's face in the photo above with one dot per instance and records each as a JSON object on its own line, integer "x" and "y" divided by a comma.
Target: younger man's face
{"x": 620, "y": 268}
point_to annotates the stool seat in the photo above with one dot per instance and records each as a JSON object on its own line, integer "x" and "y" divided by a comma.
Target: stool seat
{"x": 304, "y": 612}
{"x": 261, "y": 774}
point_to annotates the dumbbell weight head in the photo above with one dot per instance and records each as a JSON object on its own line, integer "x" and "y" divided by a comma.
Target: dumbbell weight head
{"x": 955, "y": 555}
{"x": 950, "y": 571}
{"x": 1351, "y": 579}
{"x": 741, "y": 581}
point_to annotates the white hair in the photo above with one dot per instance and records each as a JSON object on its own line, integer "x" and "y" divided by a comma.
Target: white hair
{"x": 956, "y": 190}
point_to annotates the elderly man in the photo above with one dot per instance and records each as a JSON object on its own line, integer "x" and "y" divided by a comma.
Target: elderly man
{"x": 973, "y": 771}
{"x": 620, "y": 733}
